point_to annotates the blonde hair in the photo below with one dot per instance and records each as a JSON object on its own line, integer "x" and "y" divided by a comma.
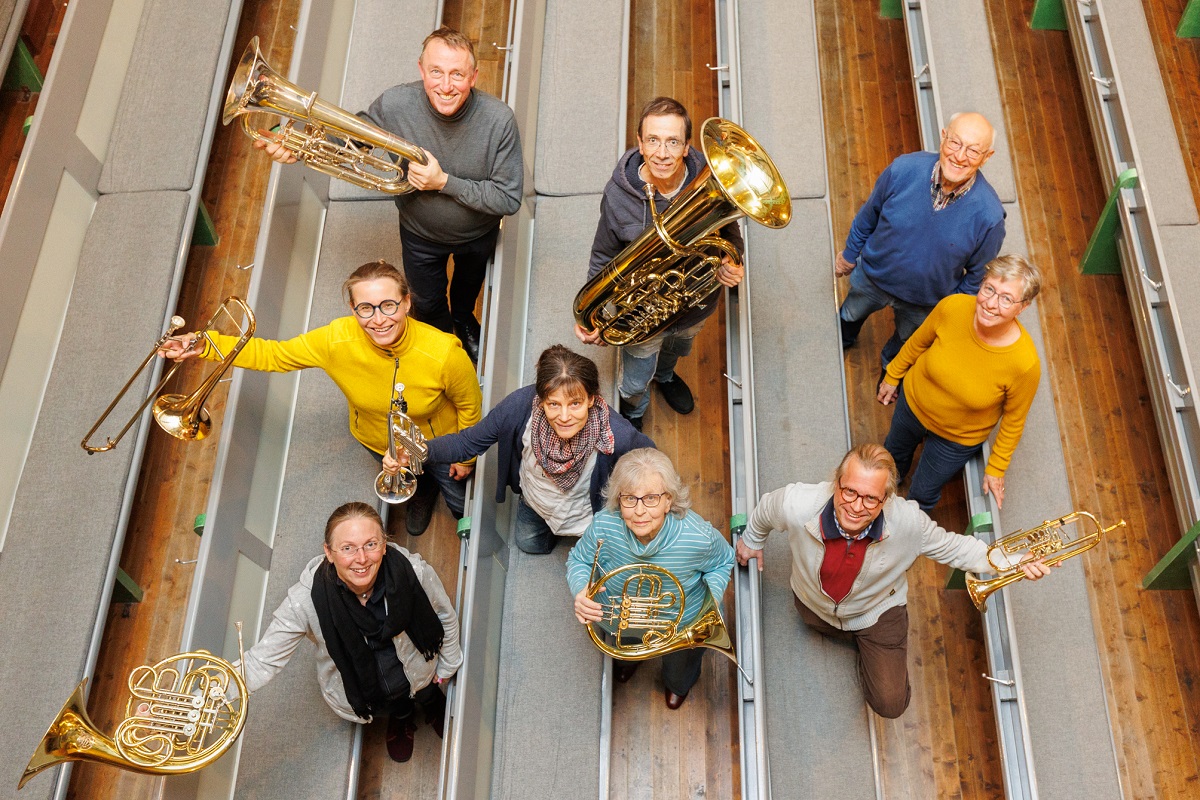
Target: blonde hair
{"x": 639, "y": 465}
{"x": 371, "y": 271}
{"x": 871, "y": 457}
{"x": 347, "y": 511}
{"x": 1012, "y": 266}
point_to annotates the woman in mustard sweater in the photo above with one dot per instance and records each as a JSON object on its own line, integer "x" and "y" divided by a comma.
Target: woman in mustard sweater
{"x": 970, "y": 365}
{"x": 366, "y": 354}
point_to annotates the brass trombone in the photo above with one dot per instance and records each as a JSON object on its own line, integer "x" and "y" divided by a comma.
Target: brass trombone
{"x": 182, "y": 416}
{"x": 1047, "y": 541}
{"x": 258, "y": 88}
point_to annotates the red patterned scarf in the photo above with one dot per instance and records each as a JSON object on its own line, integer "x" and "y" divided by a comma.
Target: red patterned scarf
{"x": 562, "y": 460}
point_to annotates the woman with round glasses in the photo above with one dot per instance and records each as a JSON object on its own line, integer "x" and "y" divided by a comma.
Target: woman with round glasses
{"x": 969, "y": 366}
{"x": 366, "y": 354}
{"x": 558, "y": 443}
{"x": 647, "y": 520}
{"x": 385, "y": 630}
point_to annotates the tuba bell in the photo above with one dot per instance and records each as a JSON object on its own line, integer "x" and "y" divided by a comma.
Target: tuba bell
{"x": 182, "y": 416}
{"x": 184, "y": 713}
{"x": 1049, "y": 541}
{"x": 642, "y": 606}
{"x": 258, "y": 88}
{"x": 403, "y": 434}
{"x": 672, "y": 266}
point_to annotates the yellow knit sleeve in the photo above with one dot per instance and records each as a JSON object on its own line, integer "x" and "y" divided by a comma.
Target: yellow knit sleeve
{"x": 266, "y": 355}
{"x": 1017, "y": 402}
{"x": 462, "y": 389}
{"x": 917, "y": 344}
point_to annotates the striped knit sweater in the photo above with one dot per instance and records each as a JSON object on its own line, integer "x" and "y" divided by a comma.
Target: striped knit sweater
{"x": 694, "y": 551}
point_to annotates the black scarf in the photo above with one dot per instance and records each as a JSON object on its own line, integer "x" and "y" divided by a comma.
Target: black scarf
{"x": 345, "y": 622}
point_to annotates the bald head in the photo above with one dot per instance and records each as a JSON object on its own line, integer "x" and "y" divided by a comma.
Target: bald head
{"x": 966, "y": 146}
{"x": 974, "y": 127}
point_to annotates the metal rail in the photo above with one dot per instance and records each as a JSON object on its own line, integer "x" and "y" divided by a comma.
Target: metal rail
{"x": 1156, "y": 314}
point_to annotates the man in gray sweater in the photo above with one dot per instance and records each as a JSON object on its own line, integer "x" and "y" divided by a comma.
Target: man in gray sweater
{"x": 852, "y": 541}
{"x": 474, "y": 177}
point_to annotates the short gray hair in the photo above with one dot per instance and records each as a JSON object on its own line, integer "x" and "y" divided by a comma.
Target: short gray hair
{"x": 639, "y": 465}
{"x": 871, "y": 457}
{"x": 1012, "y": 266}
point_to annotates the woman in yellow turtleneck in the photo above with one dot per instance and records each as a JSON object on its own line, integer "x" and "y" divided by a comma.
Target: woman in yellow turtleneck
{"x": 366, "y": 354}
{"x": 970, "y": 365}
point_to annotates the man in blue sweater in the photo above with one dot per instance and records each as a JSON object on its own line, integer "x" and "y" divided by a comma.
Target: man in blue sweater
{"x": 930, "y": 225}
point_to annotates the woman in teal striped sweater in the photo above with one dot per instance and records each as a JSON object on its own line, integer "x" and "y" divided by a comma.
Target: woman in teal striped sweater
{"x": 647, "y": 519}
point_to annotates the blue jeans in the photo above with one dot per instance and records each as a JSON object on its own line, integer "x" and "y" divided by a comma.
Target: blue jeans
{"x": 435, "y": 476}
{"x": 940, "y": 460}
{"x": 531, "y": 533}
{"x": 654, "y": 358}
{"x": 864, "y": 299}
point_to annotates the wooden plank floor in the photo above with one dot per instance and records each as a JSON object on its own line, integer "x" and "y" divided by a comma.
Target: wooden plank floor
{"x": 1179, "y": 63}
{"x": 175, "y": 477}
{"x": 692, "y": 752}
{"x": 944, "y": 744}
{"x": 1149, "y": 641}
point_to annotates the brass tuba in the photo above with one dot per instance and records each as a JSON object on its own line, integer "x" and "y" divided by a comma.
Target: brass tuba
{"x": 258, "y": 88}
{"x": 184, "y": 713}
{"x": 182, "y": 416}
{"x": 643, "y": 612}
{"x": 672, "y": 266}
{"x": 1047, "y": 541}
{"x": 403, "y": 434}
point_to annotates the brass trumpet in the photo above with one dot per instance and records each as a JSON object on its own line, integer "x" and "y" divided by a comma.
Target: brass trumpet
{"x": 182, "y": 416}
{"x": 672, "y": 266}
{"x": 181, "y": 717}
{"x": 258, "y": 88}
{"x": 403, "y": 434}
{"x": 1047, "y": 541}
{"x": 645, "y": 619}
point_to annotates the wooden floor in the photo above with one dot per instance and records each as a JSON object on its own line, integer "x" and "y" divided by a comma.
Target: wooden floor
{"x": 1149, "y": 642}
{"x": 175, "y": 476}
{"x": 1179, "y": 63}
{"x": 692, "y": 752}
{"x": 944, "y": 745}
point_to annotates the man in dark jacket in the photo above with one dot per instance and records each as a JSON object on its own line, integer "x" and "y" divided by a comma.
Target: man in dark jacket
{"x": 663, "y": 159}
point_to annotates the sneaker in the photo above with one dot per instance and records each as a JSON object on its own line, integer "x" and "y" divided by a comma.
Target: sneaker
{"x": 420, "y": 511}
{"x": 626, "y": 408}
{"x": 678, "y": 395}
{"x": 401, "y": 732}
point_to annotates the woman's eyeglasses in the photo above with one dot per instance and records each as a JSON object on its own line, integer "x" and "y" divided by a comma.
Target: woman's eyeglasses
{"x": 349, "y": 551}
{"x": 648, "y": 500}
{"x": 366, "y": 310}
{"x": 987, "y": 292}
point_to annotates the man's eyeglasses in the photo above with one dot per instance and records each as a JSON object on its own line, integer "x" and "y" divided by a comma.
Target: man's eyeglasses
{"x": 953, "y": 144}
{"x": 648, "y": 500}
{"x": 987, "y": 292}
{"x": 366, "y": 310}
{"x": 673, "y": 146}
{"x": 869, "y": 501}
{"x": 349, "y": 551}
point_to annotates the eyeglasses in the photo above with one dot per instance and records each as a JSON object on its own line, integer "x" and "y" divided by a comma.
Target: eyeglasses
{"x": 366, "y": 310}
{"x": 1005, "y": 301}
{"x": 648, "y": 500}
{"x": 870, "y": 502}
{"x": 673, "y": 146}
{"x": 953, "y": 144}
{"x": 347, "y": 551}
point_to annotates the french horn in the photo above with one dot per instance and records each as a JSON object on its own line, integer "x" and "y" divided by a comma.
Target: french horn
{"x": 672, "y": 266}
{"x": 258, "y": 88}
{"x": 183, "y": 714}
{"x": 1051, "y": 541}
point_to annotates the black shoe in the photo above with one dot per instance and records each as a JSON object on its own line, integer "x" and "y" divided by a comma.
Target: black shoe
{"x": 467, "y": 332}
{"x": 400, "y": 735}
{"x": 674, "y": 701}
{"x": 435, "y": 713}
{"x": 678, "y": 395}
{"x": 420, "y": 511}
{"x": 627, "y": 408}
{"x": 623, "y": 670}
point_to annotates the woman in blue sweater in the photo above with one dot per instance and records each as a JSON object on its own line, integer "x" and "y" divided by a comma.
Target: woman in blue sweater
{"x": 558, "y": 444}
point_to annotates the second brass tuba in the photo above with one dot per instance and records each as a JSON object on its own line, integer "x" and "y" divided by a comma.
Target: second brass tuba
{"x": 671, "y": 267}
{"x": 184, "y": 713}
{"x": 258, "y": 88}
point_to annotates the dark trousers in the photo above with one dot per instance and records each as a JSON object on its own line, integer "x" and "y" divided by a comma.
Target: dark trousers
{"x": 940, "y": 460}
{"x": 436, "y": 476}
{"x": 425, "y": 267}
{"x": 431, "y": 700}
{"x": 681, "y": 669}
{"x": 882, "y": 657}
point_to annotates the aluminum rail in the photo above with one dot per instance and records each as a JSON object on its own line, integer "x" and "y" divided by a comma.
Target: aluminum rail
{"x": 1156, "y": 314}
{"x": 1008, "y": 698}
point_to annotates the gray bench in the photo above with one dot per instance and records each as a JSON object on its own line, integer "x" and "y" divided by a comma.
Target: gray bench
{"x": 294, "y": 745}
{"x": 67, "y": 521}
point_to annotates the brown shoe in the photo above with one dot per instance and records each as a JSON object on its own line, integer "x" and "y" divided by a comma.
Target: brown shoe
{"x": 400, "y": 734}
{"x": 623, "y": 670}
{"x": 674, "y": 701}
